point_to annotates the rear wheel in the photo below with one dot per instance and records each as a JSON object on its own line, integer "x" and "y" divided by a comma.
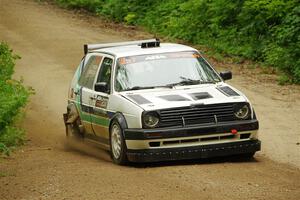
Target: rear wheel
{"x": 117, "y": 144}
{"x": 73, "y": 130}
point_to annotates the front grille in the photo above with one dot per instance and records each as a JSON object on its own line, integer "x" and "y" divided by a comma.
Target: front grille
{"x": 200, "y": 114}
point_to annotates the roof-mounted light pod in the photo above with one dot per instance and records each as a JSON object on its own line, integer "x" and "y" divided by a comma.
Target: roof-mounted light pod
{"x": 143, "y": 43}
{"x": 151, "y": 44}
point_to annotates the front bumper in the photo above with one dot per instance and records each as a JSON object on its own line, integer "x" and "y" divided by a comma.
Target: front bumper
{"x": 195, "y": 152}
{"x": 138, "y": 141}
{"x": 161, "y": 133}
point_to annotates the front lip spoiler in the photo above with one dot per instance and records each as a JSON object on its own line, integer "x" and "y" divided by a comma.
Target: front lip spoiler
{"x": 196, "y": 152}
{"x": 198, "y": 130}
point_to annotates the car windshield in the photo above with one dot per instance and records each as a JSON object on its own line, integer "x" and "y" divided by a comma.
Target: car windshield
{"x": 163, "y": 70}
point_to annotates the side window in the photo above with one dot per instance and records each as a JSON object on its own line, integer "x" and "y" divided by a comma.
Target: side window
{"x": 105, "y": 72}
{"x": 89, "y": 72}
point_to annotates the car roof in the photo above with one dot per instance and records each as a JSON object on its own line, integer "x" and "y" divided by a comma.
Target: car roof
{"x": 133, "y": 50}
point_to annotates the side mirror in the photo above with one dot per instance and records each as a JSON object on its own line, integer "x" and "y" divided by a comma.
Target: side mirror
{"x": 226, "y": 75}
{"x": 101, "y": 87}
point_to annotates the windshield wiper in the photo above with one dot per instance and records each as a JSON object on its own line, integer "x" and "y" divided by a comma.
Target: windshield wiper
{"x": 207, "y": 82}
{"x": 185, "y": 81}
{"x": 190, "y": 82}
{"x": 139, "y": 88}
{"x": 148, "y": 87}
{"x": 193, "y": 82}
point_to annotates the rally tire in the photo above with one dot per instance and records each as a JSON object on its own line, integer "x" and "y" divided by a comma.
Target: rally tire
{"x": 118, "y": 147}
{"x": 73, "y": 131}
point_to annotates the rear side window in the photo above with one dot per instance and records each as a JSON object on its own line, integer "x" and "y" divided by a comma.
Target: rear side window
{"x": 89, "y": 72}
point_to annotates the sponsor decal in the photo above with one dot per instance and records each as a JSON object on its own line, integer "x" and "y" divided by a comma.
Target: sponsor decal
{"x": 101, "y": 102}
{"x": 155, "y": 57}
{"x": 142, "y": 58}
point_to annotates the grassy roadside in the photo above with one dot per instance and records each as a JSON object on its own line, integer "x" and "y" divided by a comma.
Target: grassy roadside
{"x": 263, "y": 31}
{"x": 13, "y": 97}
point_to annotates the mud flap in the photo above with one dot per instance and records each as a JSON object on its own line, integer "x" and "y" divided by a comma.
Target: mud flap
{"x": 69, "y": 120}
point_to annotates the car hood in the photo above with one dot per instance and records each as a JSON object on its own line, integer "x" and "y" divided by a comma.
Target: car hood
{"x": 180, "y": 96}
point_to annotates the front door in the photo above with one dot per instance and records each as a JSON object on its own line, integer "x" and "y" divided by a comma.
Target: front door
{"x": 86, "y": 83}
{"x": 100, "y": 119}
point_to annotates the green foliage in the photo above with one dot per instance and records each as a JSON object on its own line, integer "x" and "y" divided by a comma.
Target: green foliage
{"x": 90, "y": 5}
{"x": 9, "y": 138}
{"x": 130, "y": 18}
{"x": 262, "y": 30}
{"x": 13, "y": 96}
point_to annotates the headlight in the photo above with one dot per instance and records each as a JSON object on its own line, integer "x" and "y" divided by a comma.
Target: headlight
{"x": 242, "y": 111}
{"x": 150, "y": 119}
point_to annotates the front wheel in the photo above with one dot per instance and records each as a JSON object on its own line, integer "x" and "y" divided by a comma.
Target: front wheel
{"x": 117, "y": 144}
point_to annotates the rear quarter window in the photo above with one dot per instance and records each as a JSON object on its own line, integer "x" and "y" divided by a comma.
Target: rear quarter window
{"x": 89, "y": 72}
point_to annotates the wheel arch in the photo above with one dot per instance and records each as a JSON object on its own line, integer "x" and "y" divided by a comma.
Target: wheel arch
{"x": 72, "y": 112}
{"x": 120, "y": 118}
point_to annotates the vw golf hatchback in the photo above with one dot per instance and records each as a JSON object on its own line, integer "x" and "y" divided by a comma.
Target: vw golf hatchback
{"x": 146, "y": 101}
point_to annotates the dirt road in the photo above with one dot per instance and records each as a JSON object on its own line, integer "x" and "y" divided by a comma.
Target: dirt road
{"x": 50, "y": 43}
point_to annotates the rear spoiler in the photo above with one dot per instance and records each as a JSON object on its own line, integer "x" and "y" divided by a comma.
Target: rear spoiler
{"x": 143, "y": 43}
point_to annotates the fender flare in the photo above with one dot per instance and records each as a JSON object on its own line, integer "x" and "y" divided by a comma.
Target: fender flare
{"x": 254, "y": 114}
{"x": 119, "y": 117}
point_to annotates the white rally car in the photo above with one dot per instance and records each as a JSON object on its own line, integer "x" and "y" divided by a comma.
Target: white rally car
{"x": 147, "y": 101}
